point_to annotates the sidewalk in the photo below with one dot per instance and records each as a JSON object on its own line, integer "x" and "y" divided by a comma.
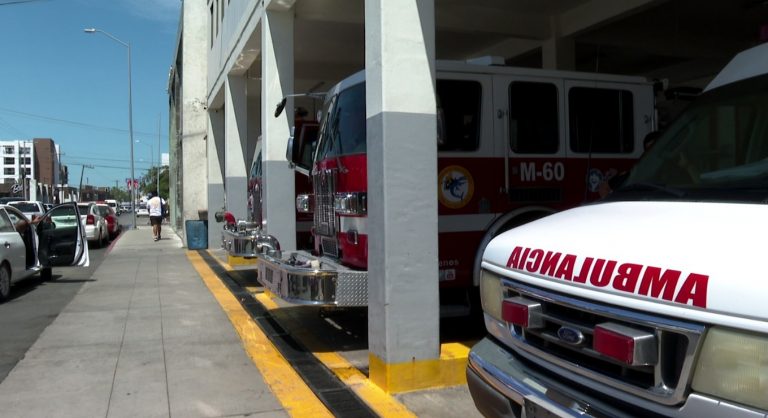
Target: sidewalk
{"x": 145, "y": 339}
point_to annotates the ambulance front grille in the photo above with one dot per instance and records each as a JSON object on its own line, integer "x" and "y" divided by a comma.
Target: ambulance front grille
{"x": 665, "y": 382}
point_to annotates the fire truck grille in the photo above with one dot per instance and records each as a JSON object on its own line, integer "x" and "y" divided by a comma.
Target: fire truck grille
{"x": 324, "y": 184}
{"x": 664, "y": 382}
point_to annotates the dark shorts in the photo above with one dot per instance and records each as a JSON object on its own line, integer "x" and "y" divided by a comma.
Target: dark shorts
{"x": 155, "y": 220}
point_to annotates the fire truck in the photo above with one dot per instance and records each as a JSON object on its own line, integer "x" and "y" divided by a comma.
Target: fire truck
{"x": 652, "y": 302}
{"x": 244, "y": 238}
{"x": 514, "y": 144}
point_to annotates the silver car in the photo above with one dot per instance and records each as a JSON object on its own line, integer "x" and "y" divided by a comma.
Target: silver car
{"x": 54, "y": 239}
{"x": 96, "y": 228}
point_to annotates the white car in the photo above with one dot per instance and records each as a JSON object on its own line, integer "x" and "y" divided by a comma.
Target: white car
{"x": 56, "y": 239}
{"x": 96, "y": 228}
{"x": 141, "y": 210}
{"x": 31, "y": 209}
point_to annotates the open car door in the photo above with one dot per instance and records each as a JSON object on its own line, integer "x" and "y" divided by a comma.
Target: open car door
{"x": 61, "y": 237}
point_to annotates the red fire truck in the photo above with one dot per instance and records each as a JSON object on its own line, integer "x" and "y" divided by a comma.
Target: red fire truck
{"x": 514, "y": 145}
{"x": 244, "y": 238}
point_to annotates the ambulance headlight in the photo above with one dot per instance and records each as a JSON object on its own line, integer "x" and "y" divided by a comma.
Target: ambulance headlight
{"x": 733, "y": 365}
{"x": 491, "y": 293}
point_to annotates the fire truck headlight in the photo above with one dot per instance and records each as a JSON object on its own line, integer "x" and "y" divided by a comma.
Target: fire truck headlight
{"x": 733, "y": 365}
{"x": 491, "y": 294}
{"x": 303, "y": 203}
{"x": 351, "y": 203}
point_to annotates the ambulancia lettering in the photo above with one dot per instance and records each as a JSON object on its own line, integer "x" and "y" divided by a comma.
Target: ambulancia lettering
{"x": 651, "y": 281}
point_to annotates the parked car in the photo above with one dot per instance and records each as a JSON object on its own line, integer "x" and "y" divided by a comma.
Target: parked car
{"x": 141, "y": 210}
{"x": 96, "y": 228}
{"x": 108, "y": 213}
{"x": 31, "y": 209}
{"x": 55, "y": 239}
{"x": 113, "y": 204}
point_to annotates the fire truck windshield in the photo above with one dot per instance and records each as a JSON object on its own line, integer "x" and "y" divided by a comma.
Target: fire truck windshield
{"x": 343, "y": 128}
{"x": 717, "y": 150}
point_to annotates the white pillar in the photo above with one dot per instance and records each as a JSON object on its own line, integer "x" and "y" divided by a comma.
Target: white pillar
{"x": 277, "y": 81}
{"x": 236, "y": 137}
{"x": 215, "y": 174}
{"x": 403, "y": 313}
{"x": 558, "y": 52}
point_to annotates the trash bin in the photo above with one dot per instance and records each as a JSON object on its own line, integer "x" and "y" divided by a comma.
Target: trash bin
{"x": 197, "y": 234}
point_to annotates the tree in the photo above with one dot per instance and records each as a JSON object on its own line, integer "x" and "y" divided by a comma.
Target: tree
{"x": 149, "y": 181}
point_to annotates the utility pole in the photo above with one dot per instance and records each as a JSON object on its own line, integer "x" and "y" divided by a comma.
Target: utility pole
{"x": 159, "y": 161}
{"x": 80, "y": 189}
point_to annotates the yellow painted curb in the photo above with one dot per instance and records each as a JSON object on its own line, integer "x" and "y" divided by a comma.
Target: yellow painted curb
{"x": 379, "y": 401}
{"x": 448, "y": 370}
{"x": 241, "y": 261}
{"x": 295, "y": 396}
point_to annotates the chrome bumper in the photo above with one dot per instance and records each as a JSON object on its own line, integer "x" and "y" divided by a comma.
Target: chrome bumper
{"x": 304, "y": 279}
{"x": 248, "y": 243}
{"x": 503, "y": 385}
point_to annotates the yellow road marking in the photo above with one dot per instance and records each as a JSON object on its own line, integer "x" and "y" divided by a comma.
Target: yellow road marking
{"x": 379, "y": 401}
{"x": 297, "y": 398}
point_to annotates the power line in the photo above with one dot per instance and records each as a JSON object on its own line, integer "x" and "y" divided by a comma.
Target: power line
{"x": 74, "y": 123}
{"x": 10, "y": 3}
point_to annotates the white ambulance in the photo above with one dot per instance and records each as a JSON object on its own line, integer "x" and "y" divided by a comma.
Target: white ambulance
{"x": 653, "y": 302}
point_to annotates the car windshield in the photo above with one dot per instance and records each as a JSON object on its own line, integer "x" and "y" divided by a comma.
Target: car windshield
{"x": 26, "y": 206}
{"x": 716, "y": 151}
{"x": 83, "y": 208}
{"x": 102, "y": 210}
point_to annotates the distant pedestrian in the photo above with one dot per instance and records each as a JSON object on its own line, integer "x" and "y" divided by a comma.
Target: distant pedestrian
{"x": 155, "y": 207}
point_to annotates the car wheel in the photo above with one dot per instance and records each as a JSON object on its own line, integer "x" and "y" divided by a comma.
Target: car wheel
{"x": 5, "y": 282}
{"x": 46, "y": 274}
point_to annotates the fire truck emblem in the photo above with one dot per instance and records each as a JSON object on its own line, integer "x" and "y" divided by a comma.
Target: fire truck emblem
{"x": 456, "y": 186}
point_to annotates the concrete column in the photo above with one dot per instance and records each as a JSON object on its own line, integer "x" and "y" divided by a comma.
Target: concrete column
{"x": 215, "y": 174}
{"x": 558, "y": 52}
{"x": 277, "y": 81}
{"x": 403, "y": 313}
{"x": 236, "y": 138}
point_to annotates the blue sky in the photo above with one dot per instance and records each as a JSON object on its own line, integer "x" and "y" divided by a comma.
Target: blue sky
{"x": 58, "y": 82}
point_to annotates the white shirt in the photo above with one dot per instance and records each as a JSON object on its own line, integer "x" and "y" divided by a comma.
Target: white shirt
{"x": 154, "y": 206}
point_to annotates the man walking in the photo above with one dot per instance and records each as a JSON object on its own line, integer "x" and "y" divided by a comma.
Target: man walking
{"x": 155, "y": 209}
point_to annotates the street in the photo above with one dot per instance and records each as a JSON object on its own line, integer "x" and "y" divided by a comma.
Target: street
{"x": 34, "y": 304}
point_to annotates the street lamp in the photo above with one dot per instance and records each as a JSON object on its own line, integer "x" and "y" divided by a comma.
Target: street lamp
{"x": 130, "y": 114}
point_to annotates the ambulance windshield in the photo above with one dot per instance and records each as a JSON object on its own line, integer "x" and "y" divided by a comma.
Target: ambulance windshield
{"x": 717, "y": 150}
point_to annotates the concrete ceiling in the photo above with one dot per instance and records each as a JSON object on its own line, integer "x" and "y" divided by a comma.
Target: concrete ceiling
{"x": 684, "y": 41}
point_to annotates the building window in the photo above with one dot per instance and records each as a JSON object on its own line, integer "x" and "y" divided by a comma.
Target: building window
{"x": 9, "y": 150}
{"x": 26, "y": 161}
{"x": 28, "y": 172}
{"x": 213, "y": 25}
{"x": 9, "y": 171}
{"x": 9, "y": 161}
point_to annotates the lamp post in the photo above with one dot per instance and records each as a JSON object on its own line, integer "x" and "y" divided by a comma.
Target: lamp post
{"x": 130, "y": 114}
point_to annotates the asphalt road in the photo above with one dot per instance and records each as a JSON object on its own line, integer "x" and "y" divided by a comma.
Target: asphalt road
{"x": 34, "y": 304}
